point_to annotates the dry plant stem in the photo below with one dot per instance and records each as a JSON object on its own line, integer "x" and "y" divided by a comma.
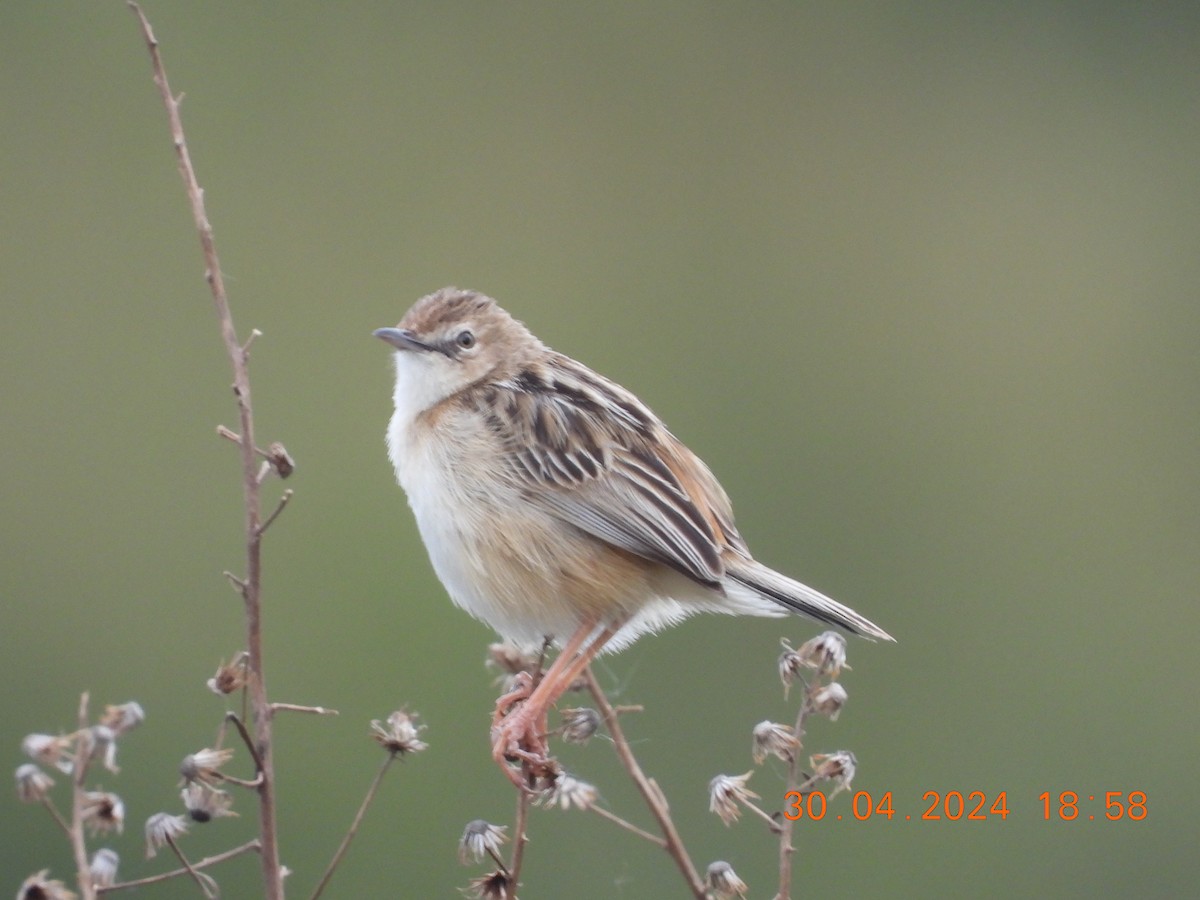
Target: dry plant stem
{"x": 786, "y": 827}
{"x": 251, "y": 584}
{"x": 628, "y": 826}
{"x": 295, "y": 707}
{"x": 57, "y": 816}
{"x": 647, "y": 787}
{"x": 175, "y": 873}
{"x": 78, "y": 778}
{"x": 207, "y": 885}
{"x": 520, "y": 839}
{"x": 353, "y": 830}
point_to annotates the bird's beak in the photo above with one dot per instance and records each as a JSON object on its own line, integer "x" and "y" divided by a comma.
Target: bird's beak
{"x": 401, "y": 339}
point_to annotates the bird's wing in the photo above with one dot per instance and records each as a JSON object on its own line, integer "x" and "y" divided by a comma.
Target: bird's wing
{"x": 589, "y": 452}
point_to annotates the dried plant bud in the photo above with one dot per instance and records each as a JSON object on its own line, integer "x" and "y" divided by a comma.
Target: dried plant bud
{"x": 123, "y": 718}
{"x": 773, "y": 739}
{"x": 400, "y": 735}
{"x": 568, "y": 792}
{"x": 49, "y": 750}
{"x": 231, "y": 676}
{"x": 42, "y": 887}
{"x": 480, "y": 839}
{"x": 104, "y": 867}
{"x": 837, "y": 767}
{"x": 204, "y": 766}
{"x": 509, "y": 661}
{"x": 103, "y": 812}
{"x": 826, "y": 653}
{"x": 162, "y": 829}
{"x": 279, "y": 459}
{"x": 724, "y": 794}
{"x": 101, "y": 743}
{"x": 205, "y": 803}
{"x": 497, "y": 886}
{"x": 829, "y": 699}
{"x": 32, "y": 783}
{"x": 722, "y": 882}
{"x": 579, "y": 724}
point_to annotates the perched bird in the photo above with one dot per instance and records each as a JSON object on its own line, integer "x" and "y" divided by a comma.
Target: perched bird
{"x": 556, "y": 506}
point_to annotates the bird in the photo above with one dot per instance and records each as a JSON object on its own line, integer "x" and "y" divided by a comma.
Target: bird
{"x": 557, "y": 508}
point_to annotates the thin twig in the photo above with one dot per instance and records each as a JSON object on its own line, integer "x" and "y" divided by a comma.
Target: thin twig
{"x": 83, "y": 755}
{"x": 520, "y": 839}
{"x": 57, "y": 816}
{"x": 787, "y": 826}
{"x": 649, "y": 790}
{"x": 175, "y": 873}
{"x": 295, "y": 707}
{"x": 353, "y": 830}
{"x": 251, "y": 592}
{"x": 206, "y": 883}
{"x": 628, "y": 826}
{"x": 283, "y": 501}
{"x": 236, "y": 720}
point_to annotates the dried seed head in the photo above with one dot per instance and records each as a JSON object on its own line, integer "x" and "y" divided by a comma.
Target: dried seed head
{"x": 41, "y": 887}
{"x": 231, "y": 676}
{"x": 400, "y": 735}
{"x": 826, "y": 653}
{"x": 829, "y": 699}
{"x": 773, "y": 739}
{"x": 204, "y": 766}
{"x": 509, "y": 661}
{"x": 161, "y": 829}
{"x": 480, "y": 839}
{"x": 837, "y": 767}
{"x": 49, "y": 750}
{"x": 32, "y": 783}
{"x": 205, "y": 803}
{"x": 101, "y": 742}
{"x": 104, "y": 867}
{"x": 123, "y": 718}
{"x": 579, "y": 724}
{"x": 568, "y": 792}
{"x": 724, "y": 794}
{"x": 496, "y": 886}
{"x": 280, "y": 460}
{"x": 103, "y": 812}
{"x": 723, "y": 882}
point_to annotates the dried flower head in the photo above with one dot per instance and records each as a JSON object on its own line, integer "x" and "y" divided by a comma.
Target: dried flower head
{"x": 101, "y": 743}
{"x": 103, "y": 868}
{"x": 162, "y": 829}
{"x": 103, "y": 812}
{"x": 32, "y": 783}
{"x": 496, "y": 886}
{"x": 205, "y": 803}
{"x": 49, "y": 750}
{"x": 124, "y": 717}
{"x": 480, "y": 839}
{"x": 722, "y": 882}
{"x": 579, "y": 724}
{"x": 205, "y": 765}
{"x": 568, "y": 792}
{"x": 773, "y": 739}
{"x": 509, "y": 661}
{"x": 400, "y": 735}
{"x": 838, "y": 767}
{"x": 280, "y": 460}
{"x": 826, "y": 653}
{"x": 829, "y": 699}
{"x": 42, "y": 887}
{"x": 724, "y": 794}
{"x": 231, "y": 676}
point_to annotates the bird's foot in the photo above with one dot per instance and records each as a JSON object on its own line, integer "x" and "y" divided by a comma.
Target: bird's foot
{"x": 519, "y": 736}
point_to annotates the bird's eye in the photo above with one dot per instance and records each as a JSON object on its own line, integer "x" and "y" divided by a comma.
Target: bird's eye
{"x": 465, "y": 340}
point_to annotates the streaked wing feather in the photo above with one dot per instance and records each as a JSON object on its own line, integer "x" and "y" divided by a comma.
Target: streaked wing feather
{"x": 599, "y": 460}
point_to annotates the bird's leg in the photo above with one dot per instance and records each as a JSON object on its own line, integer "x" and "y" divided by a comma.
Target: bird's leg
{"x": 522, "y": 732}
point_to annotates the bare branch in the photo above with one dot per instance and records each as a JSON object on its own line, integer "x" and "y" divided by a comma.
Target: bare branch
{"x": 176, "y": 873}
{"x": 353, "y": 830}
{"x": 295, "y": 707}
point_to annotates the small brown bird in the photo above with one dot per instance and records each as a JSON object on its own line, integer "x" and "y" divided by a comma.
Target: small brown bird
{"x": 555, "y": 505}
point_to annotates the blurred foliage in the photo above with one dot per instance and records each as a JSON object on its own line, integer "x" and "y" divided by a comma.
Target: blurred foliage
{"x": 917, "y": 280}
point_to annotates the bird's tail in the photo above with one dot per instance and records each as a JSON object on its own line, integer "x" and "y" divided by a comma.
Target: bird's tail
{"x": 794, "y": 596}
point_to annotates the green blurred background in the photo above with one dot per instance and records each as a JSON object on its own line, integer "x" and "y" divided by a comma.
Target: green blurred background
{"x": 919, "y": 281}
